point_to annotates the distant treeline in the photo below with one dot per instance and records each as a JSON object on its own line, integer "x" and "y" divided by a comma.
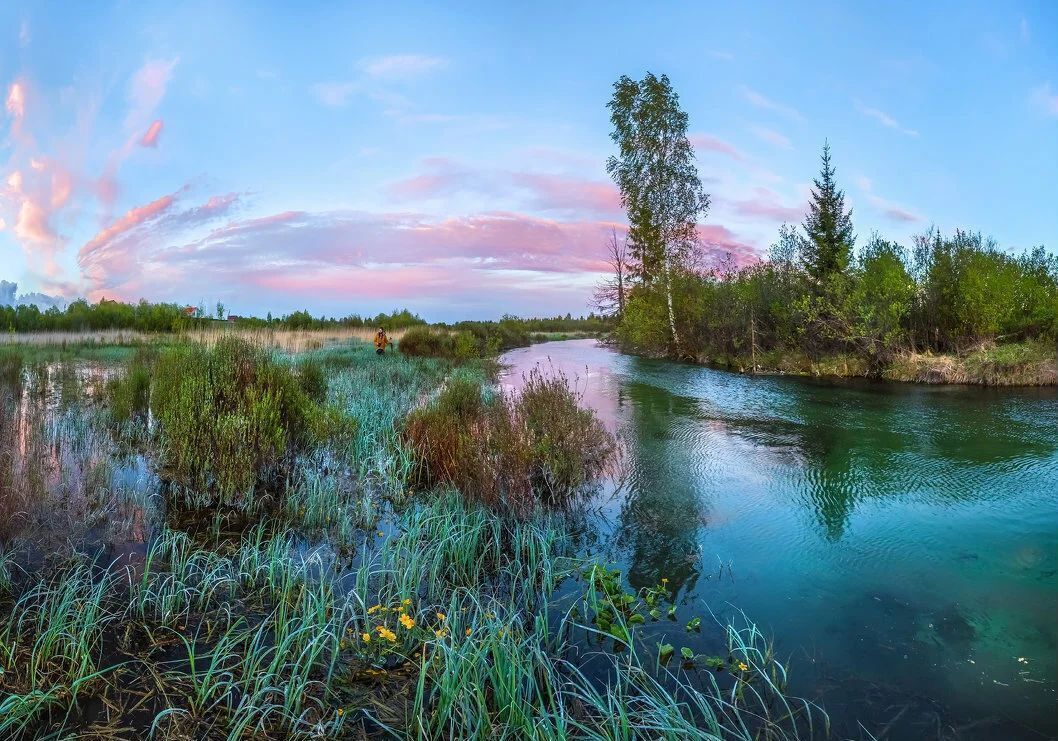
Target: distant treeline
{"x": 80, "y": 316}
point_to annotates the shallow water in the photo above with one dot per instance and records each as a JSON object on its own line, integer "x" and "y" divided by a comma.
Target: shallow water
{"x": 900, "y": 542}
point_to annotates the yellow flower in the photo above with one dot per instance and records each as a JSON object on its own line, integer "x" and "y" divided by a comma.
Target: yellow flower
{"x": 341, "y": 712}
{"x": 366, "y": 637}
{"x": 380, "y": 533}
{"x": 442, "y": 633}
{"x": 373, "y": 609}
{"x": 388, "y": 634}
{"x": 665, "y": 580}
{"x": 407, "y": 621}
{"x": 441, "y": 616}
{"x": 469, "y": 631}
{"x": 406, "y": 602}
{"x": 743, "y": 666}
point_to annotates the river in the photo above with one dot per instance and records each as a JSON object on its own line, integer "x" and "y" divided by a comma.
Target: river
{"x": 899, "y": 542}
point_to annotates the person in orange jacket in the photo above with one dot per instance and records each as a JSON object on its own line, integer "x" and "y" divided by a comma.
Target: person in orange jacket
{"x": 381, "y": 340}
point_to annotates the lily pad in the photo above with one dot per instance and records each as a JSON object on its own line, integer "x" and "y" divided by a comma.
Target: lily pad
{"x": 665, "y": 651}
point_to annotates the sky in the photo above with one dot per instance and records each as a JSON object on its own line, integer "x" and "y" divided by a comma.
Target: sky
{"x": 450, "y": 158}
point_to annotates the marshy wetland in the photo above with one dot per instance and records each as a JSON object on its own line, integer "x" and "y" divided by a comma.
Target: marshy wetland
{"x": 230, "y": 539}
{"x": 227, "y": 540}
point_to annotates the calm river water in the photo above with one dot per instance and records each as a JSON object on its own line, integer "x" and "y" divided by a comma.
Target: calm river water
{"x": 899, "y": 542}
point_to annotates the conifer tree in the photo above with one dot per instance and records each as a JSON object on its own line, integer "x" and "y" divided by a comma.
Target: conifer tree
{"x": 827, "y": 248}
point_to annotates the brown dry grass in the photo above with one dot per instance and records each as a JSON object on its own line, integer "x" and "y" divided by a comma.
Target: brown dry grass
{"x": 1025, "y": 364}
{"x": 48, "y": 339}
{"x": 287, "y": 340}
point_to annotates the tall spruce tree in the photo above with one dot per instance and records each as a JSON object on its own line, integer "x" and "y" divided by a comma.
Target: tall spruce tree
{"x": 827, "y": 248}
{"x": 656, "y": 173}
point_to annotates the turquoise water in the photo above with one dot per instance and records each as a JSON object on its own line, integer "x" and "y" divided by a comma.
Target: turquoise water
{"x": 899, "y": 542}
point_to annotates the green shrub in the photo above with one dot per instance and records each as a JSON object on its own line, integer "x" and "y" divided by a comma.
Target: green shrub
{"x": 423, "y": 342}
{"x": 229, "y": 417}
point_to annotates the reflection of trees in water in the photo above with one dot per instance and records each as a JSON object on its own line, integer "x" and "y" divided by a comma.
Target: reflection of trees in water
{"x": 834, "y": 445}
{"x": 62, "y": 474}
{"x": 662, "y": 514}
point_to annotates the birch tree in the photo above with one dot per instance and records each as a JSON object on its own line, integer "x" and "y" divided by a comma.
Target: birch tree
{"x": 655, "y": 172}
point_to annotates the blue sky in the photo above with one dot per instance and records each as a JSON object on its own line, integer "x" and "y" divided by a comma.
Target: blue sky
{"x": 353, "y": 158}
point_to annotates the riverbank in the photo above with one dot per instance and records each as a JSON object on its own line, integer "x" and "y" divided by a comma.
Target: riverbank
{"x": 1016, "y": 364}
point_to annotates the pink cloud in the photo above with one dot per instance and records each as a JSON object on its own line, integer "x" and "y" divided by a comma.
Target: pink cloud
{"x": 898, "y": 214}
{"x": 16, "y": 100}
{"x": 32, "y": 224}
{"x": 146, "y": 90}
{"x": 132, "y": 219}
{"x": 772, "y": 137}
{"x": 562, "y": 192}
{"x": 61, "y": 188}
{"x": 765, "y": 204}
{"x": 342, "y": 257}
{"x": 713, "y": 144}
{"x": 536, "y": 191}
{"x": 720, "y": 243}
{"x": 150, "y": 139}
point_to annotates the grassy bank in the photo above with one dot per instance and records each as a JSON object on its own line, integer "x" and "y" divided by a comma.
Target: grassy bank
{"x": 1033, "y": 363}
{"x": 230, "y": 540}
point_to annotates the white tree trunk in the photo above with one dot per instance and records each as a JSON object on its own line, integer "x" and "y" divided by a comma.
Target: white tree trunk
{"x": 672, "y": 311}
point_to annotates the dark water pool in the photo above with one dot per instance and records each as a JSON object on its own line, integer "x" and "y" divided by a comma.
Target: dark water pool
{"x": 900, "y": 542}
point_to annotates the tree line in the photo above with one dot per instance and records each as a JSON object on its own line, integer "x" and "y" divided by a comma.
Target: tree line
{"x": 82, "y": 316}
{"x": 815, "y": 293}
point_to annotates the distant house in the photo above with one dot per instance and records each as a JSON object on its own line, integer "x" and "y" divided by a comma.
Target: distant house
{"x": 233, "y": 318}
{"x": 190, "y": 311}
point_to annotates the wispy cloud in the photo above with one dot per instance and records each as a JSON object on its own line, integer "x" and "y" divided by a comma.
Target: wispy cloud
{"x": 401, "y": 66}
{"x": 722, "y": 55}
{"x": 1045, "y": 100}
{"x": 765, "y": 204}
{"x": 374, "y": 75}
{"x": 890, "y": 210}
{"x": 150, "y": 139}
{"x": 1023, "y": 28}
{"x": 546, "y": 192}
{"x": 146, "y": 90}
{"x": 883, "y": 118}
{"x": 772, "y": 137}
{"x": 715, "y": 144}
{"x": 334, "y": 94}
{"x": 768, "y": 104}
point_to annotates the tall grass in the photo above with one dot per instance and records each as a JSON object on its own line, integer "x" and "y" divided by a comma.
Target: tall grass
{"x": 517, "y": 450}
{"x": 230, "y": 416}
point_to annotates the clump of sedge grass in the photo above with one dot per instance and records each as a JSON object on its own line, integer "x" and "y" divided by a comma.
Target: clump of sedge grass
{"x": 230, "y": 416}
{"x": 535, "y": 446}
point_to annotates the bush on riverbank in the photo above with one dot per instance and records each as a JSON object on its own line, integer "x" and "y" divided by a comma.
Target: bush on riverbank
{"x": 465, "y": 340}
{"x": 511, "y": 451}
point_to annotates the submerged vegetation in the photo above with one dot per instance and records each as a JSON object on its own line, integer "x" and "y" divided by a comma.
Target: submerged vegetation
{"x": 224, "y": 541}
